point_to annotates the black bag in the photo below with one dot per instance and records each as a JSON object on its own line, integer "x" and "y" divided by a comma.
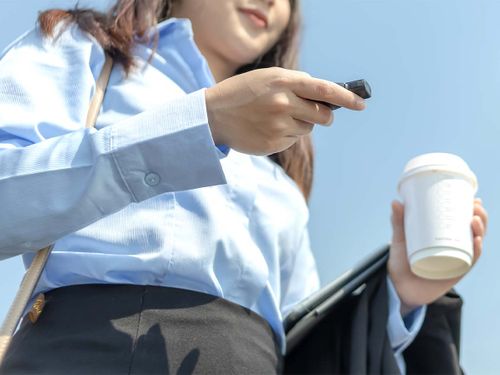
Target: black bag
{"x": 341, "y": 329}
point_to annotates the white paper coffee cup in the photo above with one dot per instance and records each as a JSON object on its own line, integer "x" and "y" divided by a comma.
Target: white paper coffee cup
{"x": 438, "y": 194}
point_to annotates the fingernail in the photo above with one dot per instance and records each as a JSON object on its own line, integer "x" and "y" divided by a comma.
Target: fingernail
{"x": 361, "y": 103}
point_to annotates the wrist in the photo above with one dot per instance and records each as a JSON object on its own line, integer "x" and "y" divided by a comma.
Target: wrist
{"x": 406, "y": 309}
{"x": 209, "y": 94}
{"x": 217, "y": 135}
{"x": 403, "y": 291}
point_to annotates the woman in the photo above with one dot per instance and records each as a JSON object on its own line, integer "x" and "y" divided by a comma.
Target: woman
{"x": 179, "y": 246}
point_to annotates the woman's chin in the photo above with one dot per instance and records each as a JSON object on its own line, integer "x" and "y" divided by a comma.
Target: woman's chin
{"x": 246, "y": 58}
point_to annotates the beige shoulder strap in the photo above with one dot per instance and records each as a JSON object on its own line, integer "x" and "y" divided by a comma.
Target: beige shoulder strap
{"x": 32, "y": 275}
{"x": 101, "y": 84}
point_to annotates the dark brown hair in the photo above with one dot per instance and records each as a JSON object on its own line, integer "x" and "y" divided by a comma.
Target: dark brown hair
{"x": 129, "y": 21}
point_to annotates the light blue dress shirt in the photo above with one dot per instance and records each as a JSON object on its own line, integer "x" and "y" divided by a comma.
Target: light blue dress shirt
{"x": 146, "y": 197}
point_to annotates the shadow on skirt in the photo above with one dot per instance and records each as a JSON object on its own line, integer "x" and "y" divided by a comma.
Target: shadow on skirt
{"x": 130, "y": 329}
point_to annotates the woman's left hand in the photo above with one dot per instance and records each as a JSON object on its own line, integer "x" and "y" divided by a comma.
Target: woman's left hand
{"x": 413, "y": 290}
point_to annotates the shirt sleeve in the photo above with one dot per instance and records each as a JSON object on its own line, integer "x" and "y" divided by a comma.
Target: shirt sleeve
{"x": 57, "y": 177}
{"x": 299, "y": 276}
{"x": 402, "y": 331}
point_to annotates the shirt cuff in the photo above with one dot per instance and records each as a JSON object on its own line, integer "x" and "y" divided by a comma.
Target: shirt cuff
{"x": 166, "y": 149}
{"x": 224, "y": 149}
{"x": 402, "y": 331}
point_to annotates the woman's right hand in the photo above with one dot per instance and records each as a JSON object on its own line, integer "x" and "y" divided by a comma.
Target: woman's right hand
{"x": 265, "y": 111}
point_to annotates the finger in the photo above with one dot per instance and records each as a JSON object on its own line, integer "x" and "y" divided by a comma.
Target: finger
{"x": 397, "y": 220}
{"x": 325, "y": 91}
{"x": 477, "y": 226}
{"x": 311, "y": 111}
{"x": 301, "y": 128}
{"x": 478, "y": 248}
{"x": 481, "y": 212}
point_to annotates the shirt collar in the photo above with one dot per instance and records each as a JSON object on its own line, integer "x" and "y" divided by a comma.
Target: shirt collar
{"x": 177, "y": 26}
{"x": 177, "y": 34}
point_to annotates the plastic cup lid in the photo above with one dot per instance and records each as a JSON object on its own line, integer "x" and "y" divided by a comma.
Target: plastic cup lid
{"x": 439, "y": 161}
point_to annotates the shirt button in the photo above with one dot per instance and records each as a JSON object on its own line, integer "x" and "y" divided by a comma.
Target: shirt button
{"x": 152, "y": 179}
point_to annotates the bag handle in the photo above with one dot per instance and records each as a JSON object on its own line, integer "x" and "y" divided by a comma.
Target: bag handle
{"x": 30, "y": 279}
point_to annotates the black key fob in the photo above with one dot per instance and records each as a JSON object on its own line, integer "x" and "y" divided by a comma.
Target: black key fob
{"x": 360, "y": 87}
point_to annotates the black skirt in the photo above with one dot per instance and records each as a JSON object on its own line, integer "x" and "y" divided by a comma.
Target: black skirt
{"x": 130, "y": 329}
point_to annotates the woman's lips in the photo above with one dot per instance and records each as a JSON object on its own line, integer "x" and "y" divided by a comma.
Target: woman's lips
{"x": 258, "y": 18}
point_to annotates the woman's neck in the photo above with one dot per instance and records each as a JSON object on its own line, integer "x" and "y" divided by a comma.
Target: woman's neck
{"x": 219, "y": 66}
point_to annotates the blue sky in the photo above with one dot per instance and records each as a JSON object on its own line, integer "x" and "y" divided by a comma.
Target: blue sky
{"x": 434, "y": 67}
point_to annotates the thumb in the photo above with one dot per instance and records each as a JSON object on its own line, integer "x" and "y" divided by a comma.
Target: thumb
{"x": 397, "y": 220}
